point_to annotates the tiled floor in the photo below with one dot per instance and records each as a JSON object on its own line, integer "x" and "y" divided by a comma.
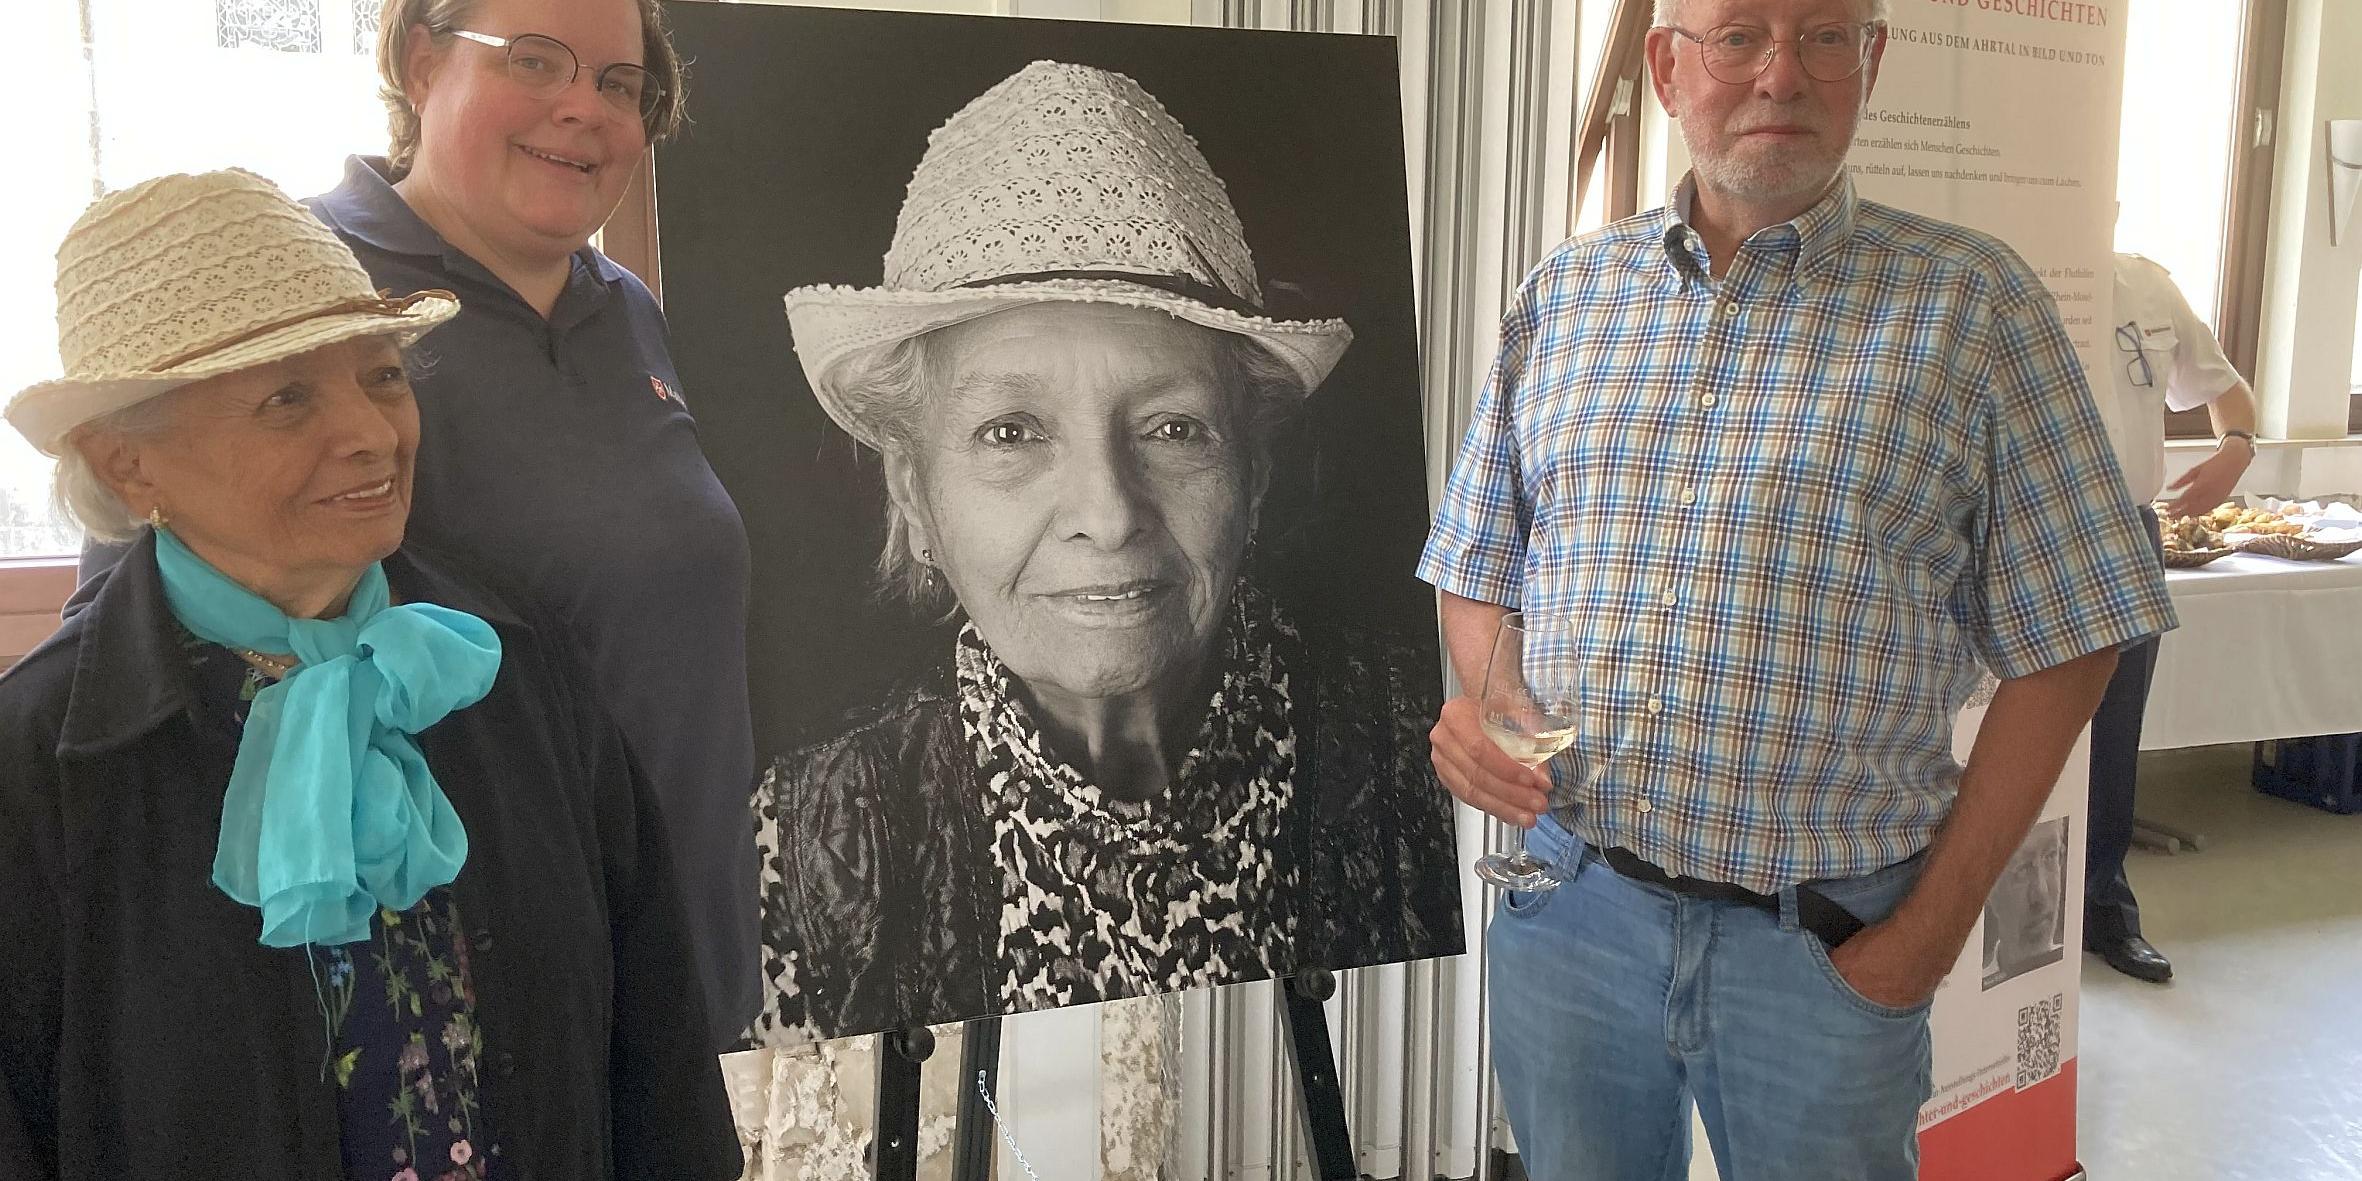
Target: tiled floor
{"x": 2249, "y": 1065}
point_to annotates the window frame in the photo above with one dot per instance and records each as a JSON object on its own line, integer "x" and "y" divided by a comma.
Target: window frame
{"x": 32, "y": 592}
{"x": 1605, "y": 126}
{"x": 2247, "y": 204}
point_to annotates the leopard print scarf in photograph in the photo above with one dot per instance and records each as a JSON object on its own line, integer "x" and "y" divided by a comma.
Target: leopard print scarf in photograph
{"x": 1103, "y": 898}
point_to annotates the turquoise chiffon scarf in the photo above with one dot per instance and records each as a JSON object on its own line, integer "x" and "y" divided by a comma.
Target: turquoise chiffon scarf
{"x": 331, "y": 811}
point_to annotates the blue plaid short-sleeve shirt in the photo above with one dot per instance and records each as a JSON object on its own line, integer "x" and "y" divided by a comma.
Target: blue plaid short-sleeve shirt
{"x": 1791, "y": 511}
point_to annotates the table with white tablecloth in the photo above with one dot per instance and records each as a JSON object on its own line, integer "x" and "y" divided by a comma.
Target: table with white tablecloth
{"x": 2266, "y": 649}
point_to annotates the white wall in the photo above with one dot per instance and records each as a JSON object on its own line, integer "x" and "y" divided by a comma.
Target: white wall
{"x": 2296, "y": 470}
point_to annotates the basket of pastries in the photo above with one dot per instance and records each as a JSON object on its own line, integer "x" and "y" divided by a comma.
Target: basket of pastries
{"x": 2300, "y": 531}
{"x": 2189, "y": 541}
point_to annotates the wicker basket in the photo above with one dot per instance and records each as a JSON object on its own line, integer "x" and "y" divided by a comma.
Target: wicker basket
{"x": 2191, "y": 559}
{"x": 2295, "y": 548}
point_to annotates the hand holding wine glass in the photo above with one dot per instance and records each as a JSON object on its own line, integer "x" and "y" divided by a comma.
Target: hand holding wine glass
{"x": 1531, "y": 706}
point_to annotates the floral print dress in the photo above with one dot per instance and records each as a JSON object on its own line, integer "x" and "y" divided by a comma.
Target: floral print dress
{"x": 399, "y": 1012}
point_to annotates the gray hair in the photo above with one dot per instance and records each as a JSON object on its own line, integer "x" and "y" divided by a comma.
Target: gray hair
{"x": 1668, "y": 10}
{"x": 887, "y": 386}
{"x": 85, "y": 499}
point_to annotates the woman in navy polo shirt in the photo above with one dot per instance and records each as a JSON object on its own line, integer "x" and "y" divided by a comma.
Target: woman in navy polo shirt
{"x": 557, "y": 454}
{"x": 558, "y": 449}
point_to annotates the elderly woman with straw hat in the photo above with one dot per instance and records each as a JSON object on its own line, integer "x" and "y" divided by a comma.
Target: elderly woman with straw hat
{"x": 558, "y": 453}
{"x": 1133, "y": 771}
{"x": 316, "y": 859}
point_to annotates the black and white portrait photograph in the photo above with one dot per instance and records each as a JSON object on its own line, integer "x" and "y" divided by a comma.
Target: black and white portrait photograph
{"x": 2026, "y": 915}
{"x": 1066, "y": 376}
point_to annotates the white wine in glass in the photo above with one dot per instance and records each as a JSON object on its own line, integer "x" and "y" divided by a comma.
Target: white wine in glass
{"x": 1529, "y": 710}
{"x": 1531, "y": 740}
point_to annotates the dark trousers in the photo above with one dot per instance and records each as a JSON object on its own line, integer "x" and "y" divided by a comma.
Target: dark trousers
{"x": 2109, "y": 909}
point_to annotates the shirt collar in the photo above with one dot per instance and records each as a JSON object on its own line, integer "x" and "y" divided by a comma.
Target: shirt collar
{"x": 365, "y": 206}
{"x": 132, "y": 672}
{"x": 1685, "y": 251}
{"x": 1807, "y": 242}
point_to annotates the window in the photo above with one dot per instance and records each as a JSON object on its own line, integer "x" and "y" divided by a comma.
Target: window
{"x": 161, "y": 88}
{"x": 2181, "y": 64}
{"x": 2176, "y": 168}
{"x": 2354, "y": 383}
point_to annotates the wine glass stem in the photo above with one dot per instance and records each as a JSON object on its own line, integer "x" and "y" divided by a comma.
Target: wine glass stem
{"x": 1523, "y": 853}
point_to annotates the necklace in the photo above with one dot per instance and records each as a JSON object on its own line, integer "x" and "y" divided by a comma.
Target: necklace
{"x": 277, "y": 667}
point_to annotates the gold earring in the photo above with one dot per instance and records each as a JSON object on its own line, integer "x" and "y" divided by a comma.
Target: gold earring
{"x": 156, "y": 518}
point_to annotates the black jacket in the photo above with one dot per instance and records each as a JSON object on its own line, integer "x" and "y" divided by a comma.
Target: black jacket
{"x": 882, "y": 884}
{"x": 145, "y": 1033}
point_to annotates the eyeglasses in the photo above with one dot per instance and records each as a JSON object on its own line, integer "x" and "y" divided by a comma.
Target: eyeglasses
{"x": 544, "y": 66}
{"x": 2136, "y": 370}
{"x": 1738, "y": 54}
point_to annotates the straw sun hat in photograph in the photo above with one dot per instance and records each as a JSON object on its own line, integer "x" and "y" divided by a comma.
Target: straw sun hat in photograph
{"x": 1062, "y": 183}
{"x": 183, "y": 278}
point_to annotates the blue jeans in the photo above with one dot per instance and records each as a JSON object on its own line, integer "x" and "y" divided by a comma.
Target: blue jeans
{"x": 1615, "y": 1003}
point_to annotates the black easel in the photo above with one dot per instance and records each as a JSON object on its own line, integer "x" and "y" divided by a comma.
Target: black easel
{"x": 894, "y": 1146}
{"x": 1315, "y": 1060}
{"x": 894, "y": 1142}
{"x": 980, "y": 1072}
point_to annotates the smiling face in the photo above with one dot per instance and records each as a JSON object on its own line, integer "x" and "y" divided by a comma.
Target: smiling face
{"x": 290, "y": 477}
{"x": 1780, "y": 140}
{"x": 504, "y": 172}
{"x": 1083, "y": 477}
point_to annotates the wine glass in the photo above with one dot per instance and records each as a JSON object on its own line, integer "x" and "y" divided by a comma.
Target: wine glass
{"x": 1531, "y": 702}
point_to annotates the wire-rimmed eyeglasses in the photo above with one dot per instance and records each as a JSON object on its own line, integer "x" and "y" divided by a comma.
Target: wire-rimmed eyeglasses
{"x": 1737, "y": 54}
{"x": 545, "y": 65}
{"x": 2136, "y": 369}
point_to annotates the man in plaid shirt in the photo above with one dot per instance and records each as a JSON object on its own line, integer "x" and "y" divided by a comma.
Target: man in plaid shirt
{"x": 1794, "y": 465}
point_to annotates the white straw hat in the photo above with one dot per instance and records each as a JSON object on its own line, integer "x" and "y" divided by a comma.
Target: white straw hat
{"x": 1061, "y": 183}
{"x": 182, "y": 278}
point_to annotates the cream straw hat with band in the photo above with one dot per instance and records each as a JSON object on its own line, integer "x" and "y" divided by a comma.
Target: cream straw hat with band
{"x": 1062, "y": 183}
{"x": 182, "y": 278}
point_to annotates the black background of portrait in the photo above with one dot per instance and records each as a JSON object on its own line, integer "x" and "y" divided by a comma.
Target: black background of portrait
{"x": 806, "y": 125}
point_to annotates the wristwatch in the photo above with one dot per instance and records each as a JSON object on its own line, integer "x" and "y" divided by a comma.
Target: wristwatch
{"x": 2236, "y": 433}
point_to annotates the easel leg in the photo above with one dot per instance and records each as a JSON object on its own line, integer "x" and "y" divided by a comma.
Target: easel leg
{"x": 894, "y": 1146}
{"x": 980, "y": 1071}
{"x": 1326, "y": 1133}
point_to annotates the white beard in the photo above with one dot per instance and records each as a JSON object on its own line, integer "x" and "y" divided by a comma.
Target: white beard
{"x": 1764, "y": 181}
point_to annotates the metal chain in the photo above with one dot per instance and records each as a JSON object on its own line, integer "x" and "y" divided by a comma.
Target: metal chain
{"x": 985, "y": 1093}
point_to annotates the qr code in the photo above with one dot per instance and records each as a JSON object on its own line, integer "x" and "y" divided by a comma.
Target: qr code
{"x": 2038, "y": 1040}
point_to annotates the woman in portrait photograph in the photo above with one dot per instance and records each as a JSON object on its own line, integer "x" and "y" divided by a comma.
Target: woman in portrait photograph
{"x": 1133, "y": 771}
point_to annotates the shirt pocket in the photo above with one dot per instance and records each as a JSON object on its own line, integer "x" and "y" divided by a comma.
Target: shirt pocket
{"x": 2158, "y": 341}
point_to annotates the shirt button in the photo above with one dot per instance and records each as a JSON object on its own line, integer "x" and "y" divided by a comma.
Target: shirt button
{"x": 1709, "y": 400}
{"x": 1668, "y": 598}
{"x": 1643, "y": 806}
{"x": 1730, "y": 307}
{"x": 1689, "y": 496}
{"x": 1656, "y": 705}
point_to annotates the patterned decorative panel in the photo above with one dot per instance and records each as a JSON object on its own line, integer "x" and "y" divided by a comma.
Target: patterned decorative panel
{"x": 365, "y": 14}
{"x": 291, "y": 26}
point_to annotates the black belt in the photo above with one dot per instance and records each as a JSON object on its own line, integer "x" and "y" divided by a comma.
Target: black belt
{"x": 1830, "y": 923}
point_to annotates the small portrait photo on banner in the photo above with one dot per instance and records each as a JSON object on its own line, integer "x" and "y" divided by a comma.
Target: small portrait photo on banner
{"x": 1066, "y": 377}
{"x": 2026, "y": 916}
